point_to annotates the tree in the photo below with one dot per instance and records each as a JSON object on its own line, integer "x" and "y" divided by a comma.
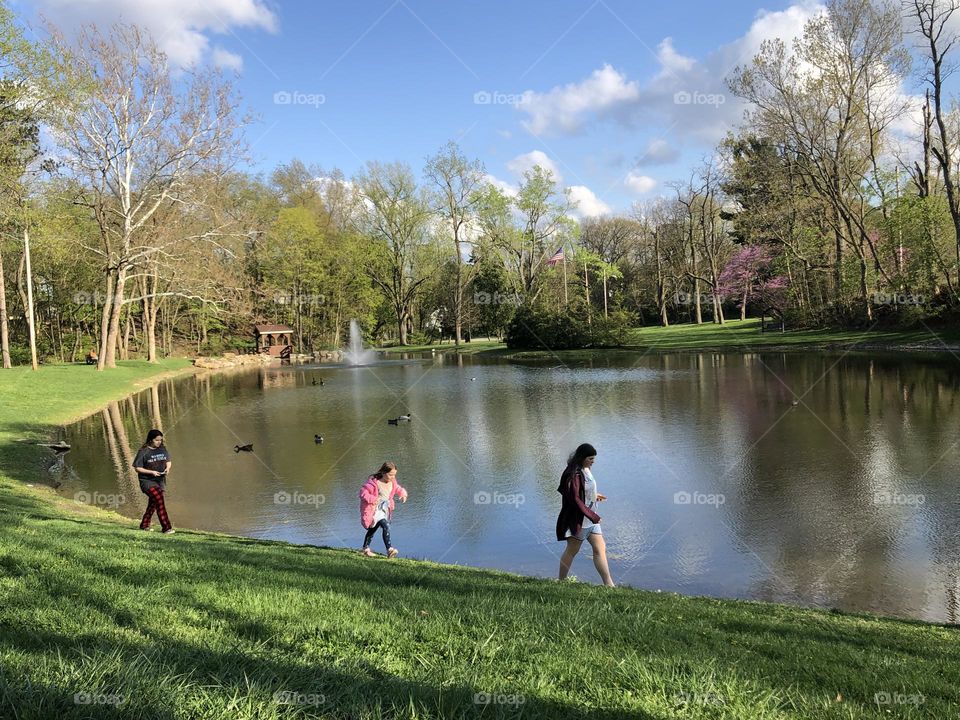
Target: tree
{"x": 456, "y": 181}
{"x": 393, "y": 212}
{"x": 933, "y": 21}
{"x": 134, "y": 140}
{"x": 829, "y": 103}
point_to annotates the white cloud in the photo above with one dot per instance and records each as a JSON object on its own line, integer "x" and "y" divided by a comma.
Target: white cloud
{"x": 564, "y": 107}
{"x": 640, "y": 184}
{"x": 226, "y": 59}
{"x": 523, "y": 163}
{"x": 670, "y": 60}
{"x": 181, "y": 27}
{"x": 588, "y": 204}
{"x": 686, "y": 95}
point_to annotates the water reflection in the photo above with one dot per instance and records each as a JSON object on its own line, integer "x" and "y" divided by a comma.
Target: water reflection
{"x": 832, "y": 477}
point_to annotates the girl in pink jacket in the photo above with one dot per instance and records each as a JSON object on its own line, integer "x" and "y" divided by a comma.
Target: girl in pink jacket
{"x": 377, "y": 503}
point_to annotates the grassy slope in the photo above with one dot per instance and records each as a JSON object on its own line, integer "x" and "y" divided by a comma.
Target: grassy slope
{"x": 206, "y": 626}
{"x": 735, "y": 335}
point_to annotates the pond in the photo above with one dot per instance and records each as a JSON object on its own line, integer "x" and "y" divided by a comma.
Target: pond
{"x": 816, "y": 479}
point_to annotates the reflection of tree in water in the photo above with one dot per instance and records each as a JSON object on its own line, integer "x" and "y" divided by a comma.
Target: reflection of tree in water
{"x": 811, "y": 515}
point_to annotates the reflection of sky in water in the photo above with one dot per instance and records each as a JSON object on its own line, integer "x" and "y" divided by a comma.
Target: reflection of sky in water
{"x": 798, "y": 522}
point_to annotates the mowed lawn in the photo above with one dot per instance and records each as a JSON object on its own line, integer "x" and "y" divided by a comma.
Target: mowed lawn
{"x": 100, "y": 620}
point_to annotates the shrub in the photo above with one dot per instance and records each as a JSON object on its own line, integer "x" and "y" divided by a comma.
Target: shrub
{"x": 537, "y": 327}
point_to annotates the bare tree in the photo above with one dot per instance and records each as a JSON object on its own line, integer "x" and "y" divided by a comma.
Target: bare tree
{"x": 829, "y": 103}
{"x": 134, "y": 140}
{"x": 394, "y": 213}
{"x": 932, "y": 20}
{"x": 456, "y": 182}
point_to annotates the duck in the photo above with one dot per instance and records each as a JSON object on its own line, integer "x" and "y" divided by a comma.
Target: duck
{"x": 318, "y": 439}
{"x": 246, "y": 448}
{"x": 314, "y": 381}
{"x": 404, "y": 417}
{"x": 472, "y": 379}
{"x": 394, "y": 421}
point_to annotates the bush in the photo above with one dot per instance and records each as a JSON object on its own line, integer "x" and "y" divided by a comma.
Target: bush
{"x": 543, "y": 328}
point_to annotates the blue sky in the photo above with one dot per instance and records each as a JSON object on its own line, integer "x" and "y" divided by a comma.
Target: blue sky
{"x": 618, "y": 97}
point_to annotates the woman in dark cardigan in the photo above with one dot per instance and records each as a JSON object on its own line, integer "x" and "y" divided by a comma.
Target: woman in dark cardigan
{"x": 578, "y": 521}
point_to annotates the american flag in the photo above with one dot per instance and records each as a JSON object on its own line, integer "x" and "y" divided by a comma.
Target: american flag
{"x": 557, "y": 258}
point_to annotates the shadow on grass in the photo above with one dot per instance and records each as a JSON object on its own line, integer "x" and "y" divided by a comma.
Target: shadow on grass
{"x": 742, "y": 637}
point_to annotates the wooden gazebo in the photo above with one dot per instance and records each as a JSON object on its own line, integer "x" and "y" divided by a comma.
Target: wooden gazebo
{"x": 274, "y": 340}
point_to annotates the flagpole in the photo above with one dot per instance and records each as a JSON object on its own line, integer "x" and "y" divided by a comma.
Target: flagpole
{"x": 566, "y": 297}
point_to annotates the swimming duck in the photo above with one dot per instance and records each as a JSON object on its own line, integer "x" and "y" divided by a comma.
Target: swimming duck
{"x": 245, "y": 448}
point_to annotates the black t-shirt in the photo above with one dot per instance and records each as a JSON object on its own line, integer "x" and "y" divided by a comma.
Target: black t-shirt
{"x": 152, "y": 459}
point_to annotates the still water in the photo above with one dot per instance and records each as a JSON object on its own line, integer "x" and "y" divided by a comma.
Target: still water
{"x": 822, "y": 479}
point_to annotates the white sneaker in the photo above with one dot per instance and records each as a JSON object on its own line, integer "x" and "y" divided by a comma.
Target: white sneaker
{"x": 171, "y": 531}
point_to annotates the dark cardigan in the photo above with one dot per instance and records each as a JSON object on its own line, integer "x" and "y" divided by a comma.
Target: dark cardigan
{"x": 573, "y": 507}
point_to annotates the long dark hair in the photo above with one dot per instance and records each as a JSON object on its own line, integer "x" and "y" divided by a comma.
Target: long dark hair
{"x": 575, "y": 462}
{"x": 150, "y": 436}
{"x": 384, "y": 469}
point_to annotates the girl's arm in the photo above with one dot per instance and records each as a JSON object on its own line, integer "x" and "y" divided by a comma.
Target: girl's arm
{"x": 575, "y": 494}
{"x": 400, "y": 491}
{"x": 369, "y": 492}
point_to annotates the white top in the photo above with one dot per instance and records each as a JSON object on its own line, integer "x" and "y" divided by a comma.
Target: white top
{"x": 589, "y": 495}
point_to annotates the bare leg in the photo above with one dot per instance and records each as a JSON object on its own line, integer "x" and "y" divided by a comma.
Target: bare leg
{"x": 566, "y": 560}
{"x": 599, "y": 546}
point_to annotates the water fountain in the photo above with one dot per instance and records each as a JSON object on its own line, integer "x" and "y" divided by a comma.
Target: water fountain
{"x": 355, "y": 354}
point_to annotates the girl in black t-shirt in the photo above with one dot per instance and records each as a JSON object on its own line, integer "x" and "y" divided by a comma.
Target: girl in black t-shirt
{"x": 152, "y": 465}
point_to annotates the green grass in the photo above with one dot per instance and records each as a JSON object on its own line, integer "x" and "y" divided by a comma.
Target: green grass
{"x": 198, "y": 625}
{"x": 732, "y": 335}
{"x": 32, "y": 403}
{"x": 737, "y": 334}
{"x": 466, "y": 348}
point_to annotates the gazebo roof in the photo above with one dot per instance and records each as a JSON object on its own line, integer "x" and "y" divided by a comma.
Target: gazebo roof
{"x": 272, "y": 329}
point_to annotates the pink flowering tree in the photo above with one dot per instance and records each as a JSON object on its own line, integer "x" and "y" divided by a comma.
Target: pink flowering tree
{"x": 747, "y": 276}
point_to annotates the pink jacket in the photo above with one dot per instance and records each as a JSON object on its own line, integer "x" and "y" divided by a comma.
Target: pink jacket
{"x": 368, "y": 499}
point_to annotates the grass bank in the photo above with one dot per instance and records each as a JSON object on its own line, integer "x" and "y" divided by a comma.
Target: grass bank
{"x": 100, "y": 620}
{"x": 735, "y": 335}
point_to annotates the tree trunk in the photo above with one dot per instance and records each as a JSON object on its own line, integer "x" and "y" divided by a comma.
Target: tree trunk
{"x": 113, "y": 328}
{"x": 4, "y": 326}
{"x": 31, "y": 321}
{"x": 111, "y": 282}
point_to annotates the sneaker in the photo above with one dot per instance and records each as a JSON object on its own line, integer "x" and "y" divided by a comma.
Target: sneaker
{"x": 392, "y": 553}
{"x": 147, "y": 529}
{"x": 368, "y": 552}
{"x": 169, "y": 531}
